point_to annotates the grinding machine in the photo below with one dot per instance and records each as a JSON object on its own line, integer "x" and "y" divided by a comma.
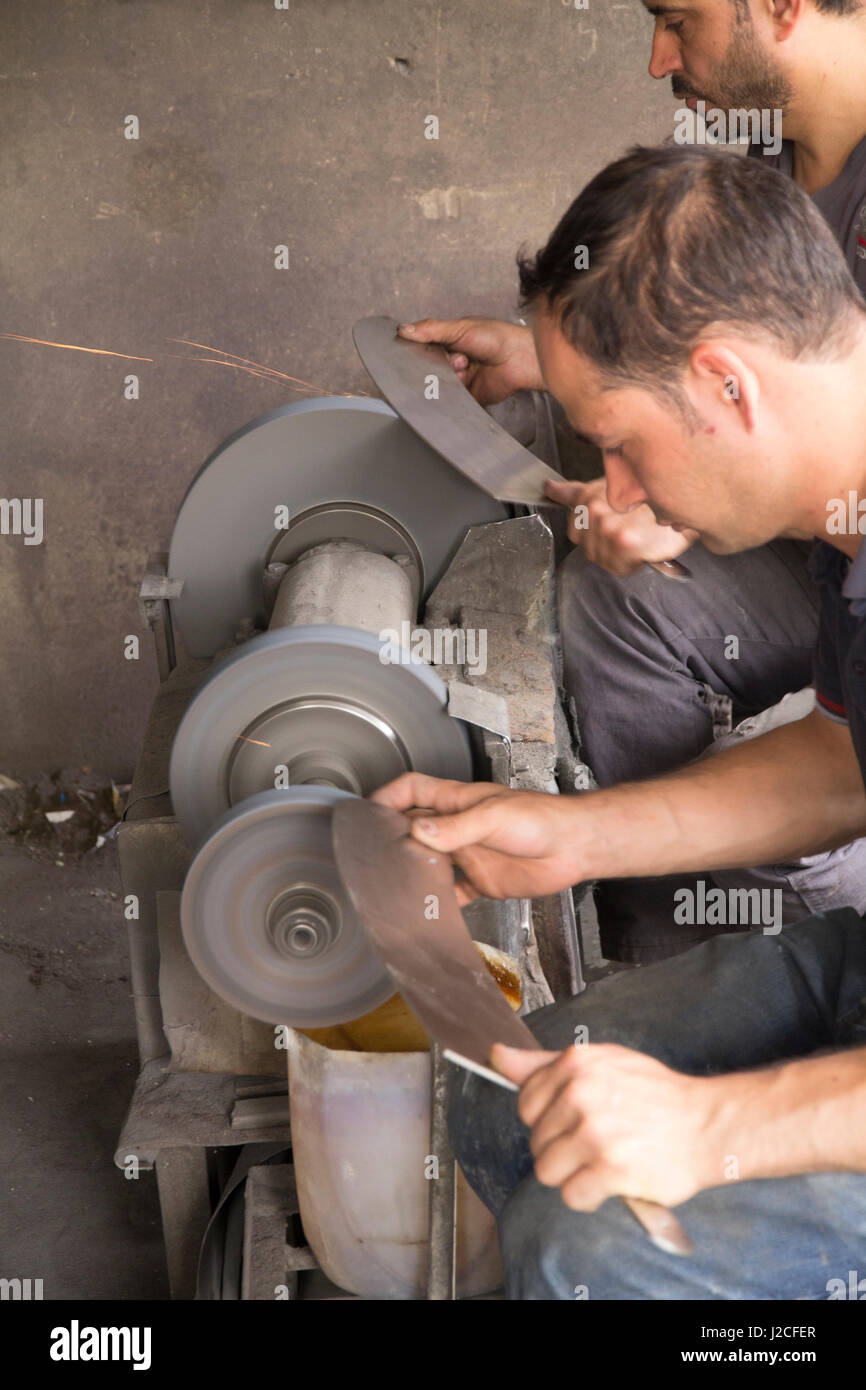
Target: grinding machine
{"x": 302, "y": 541}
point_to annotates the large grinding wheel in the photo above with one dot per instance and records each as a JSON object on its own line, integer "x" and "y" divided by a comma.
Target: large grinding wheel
{"x": 267, "y": 922}
{"x": 319, "y": 702}
{"x": 393, "y": 492}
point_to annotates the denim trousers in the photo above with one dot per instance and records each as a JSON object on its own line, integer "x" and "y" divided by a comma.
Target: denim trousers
{"x": 640, "y": 656}
{"x": 737, "y": 1001}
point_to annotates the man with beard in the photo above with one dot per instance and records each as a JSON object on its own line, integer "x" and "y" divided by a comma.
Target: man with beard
{"x": 730, "y": 1081}
{"x": 646, "y": 660}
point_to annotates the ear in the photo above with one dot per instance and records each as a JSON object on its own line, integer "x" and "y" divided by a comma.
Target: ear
{"x": 720, "y": 379}
{"x": 783, "y": 15}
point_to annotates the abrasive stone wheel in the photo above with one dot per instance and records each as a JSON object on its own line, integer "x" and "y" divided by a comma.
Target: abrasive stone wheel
{"x": 318, "y": 702}
{"x": 267, "y": 922}
{"x": 392, "y": 492}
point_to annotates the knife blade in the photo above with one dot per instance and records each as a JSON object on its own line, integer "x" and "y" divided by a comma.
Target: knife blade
{"x": 446, "y": 415}
{"x": 404, "y": 895}
{"x": 452, "y": 422}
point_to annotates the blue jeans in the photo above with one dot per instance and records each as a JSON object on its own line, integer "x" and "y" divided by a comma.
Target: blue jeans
{"x": 737, "y": 1001}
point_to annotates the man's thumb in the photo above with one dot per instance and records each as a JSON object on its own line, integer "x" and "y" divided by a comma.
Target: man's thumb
{"x": 519, "y": 1063}
{"x": 561, "y": 490}
{"x": 444, "y": 331}
{"x": 456, "y": 831}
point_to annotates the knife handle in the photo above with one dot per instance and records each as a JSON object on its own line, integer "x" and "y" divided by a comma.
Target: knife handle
{"x": 660, "y": 1225}
{"x": 670, "y": 569}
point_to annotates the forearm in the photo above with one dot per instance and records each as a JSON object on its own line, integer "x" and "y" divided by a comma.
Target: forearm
{"x": 799, "y": 1117}
{"x": 796, "y": 790}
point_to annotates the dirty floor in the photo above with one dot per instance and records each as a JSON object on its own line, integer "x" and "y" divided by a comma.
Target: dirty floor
{"x": 68, "y": 1062}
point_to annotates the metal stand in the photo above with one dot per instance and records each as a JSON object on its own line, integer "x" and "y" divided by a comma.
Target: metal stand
{"x": 176, "y": 1118}
{"x": 441, "y": 1249}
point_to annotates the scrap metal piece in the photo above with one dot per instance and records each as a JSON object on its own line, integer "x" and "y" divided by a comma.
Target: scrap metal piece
{"x": 483, "y": 708}
{"x": 267, "y": 921}
{"x": 393, "y": 881}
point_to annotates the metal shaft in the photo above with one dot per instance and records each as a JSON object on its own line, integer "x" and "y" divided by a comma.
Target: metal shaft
{"x": 343, "y": 584}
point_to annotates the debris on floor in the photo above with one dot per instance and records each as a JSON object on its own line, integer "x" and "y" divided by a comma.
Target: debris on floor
{"x": 61, "y": 815}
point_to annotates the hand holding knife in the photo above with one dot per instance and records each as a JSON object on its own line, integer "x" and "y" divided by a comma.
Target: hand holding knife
{"x": 435, "y": 965}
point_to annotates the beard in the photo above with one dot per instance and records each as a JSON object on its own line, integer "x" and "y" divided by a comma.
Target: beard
{"x": 745, "y": 77}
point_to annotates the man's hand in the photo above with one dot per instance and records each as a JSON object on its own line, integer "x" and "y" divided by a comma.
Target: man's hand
{"x": 509, "y": 844}
{"x": 606, "y": 1121}
{"x": 620, "y": 542}
{"x": 491, "y": 357}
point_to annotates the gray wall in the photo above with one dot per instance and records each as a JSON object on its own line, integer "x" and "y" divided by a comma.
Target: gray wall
{"x": 258, "y": 127}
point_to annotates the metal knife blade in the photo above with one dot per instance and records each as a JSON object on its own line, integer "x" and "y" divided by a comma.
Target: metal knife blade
{"x": 455, "y": 425}
{"x": 452, "y": 423}
{"x": 404, "y": 895}
{"x": 396, "y": 885}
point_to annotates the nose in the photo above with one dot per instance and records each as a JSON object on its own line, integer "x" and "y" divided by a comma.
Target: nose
{"x": 624, "y": 492}
{"x": 665, "y": 56}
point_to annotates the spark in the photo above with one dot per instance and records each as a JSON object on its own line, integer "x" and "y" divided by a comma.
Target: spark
{"x": 73, "y": 347}
{"x": 272, "y": 371}
{"x": 244, "y": 364}
{"x": 253, "y": 740}
{"x": 218, "y": 361}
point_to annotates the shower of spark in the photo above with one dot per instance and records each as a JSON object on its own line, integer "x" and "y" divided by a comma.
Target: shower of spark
{"x": 220, "y": 362}
{"x": 73, "y": 347}
{"x": 271, "y": 371}
{"x": 243, "y": 364}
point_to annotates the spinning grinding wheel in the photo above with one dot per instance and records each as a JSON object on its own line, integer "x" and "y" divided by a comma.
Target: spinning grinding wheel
{"x": 267, "y": 922}
{"x": 363, "y": 516}
{"x": 309, "y": 711}
{"x": 318, "y": 701}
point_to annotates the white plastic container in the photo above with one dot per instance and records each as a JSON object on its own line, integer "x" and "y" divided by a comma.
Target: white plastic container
{"x": 361, "y": 1140}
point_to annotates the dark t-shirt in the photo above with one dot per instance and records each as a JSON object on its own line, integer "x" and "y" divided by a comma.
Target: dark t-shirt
{"x": 840, "y": 653}
{"x": 843, "y": 202}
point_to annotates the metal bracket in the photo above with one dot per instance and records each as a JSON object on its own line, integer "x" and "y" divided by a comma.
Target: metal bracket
{"x": 155, "y": 591}
{"x": 483, "y": 708}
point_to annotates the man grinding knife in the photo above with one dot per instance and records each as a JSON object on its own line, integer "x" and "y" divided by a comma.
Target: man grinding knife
{"x": 729, "y": 1081}
{"x": 643, "y": 654}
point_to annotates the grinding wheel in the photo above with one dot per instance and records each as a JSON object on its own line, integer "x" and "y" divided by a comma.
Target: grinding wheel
{"x": 267, "y": 922}
{"x": 304, "y": 457}
{"x": 318, "y": 701}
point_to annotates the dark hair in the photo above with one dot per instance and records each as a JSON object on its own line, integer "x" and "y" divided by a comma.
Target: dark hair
{"x": 841, "y": 7}
{"x": 837, "y": 7}
{"x": 679, "y": 239}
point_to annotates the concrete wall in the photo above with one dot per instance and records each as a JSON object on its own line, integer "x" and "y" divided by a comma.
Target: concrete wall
{"x": 258, "y": 126}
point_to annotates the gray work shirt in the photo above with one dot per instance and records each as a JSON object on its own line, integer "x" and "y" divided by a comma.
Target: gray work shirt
{"x": 840, "y": 652}
{"x": 843, "y": 202}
